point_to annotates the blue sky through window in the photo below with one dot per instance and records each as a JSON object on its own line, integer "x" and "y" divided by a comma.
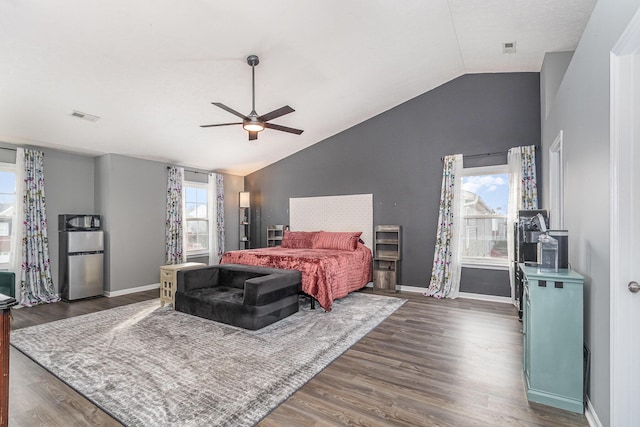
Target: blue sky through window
{"x": 493, "y": 189}
{"x": 7, "y": 186}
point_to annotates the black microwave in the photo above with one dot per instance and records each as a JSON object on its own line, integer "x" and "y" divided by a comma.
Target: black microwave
{"x": 79, "y": 222}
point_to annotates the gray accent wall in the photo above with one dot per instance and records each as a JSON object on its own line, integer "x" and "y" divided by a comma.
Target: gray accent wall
{"x": 397, "y": 157}
{"x": 581, "y": 109}
{"x": 485, "y": 281}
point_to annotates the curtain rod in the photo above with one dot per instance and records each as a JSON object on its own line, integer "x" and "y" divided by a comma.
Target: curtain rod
{"x": 10, "y": 149}
{"x": 189, "y": 170}
{"x": 495, "y": 153}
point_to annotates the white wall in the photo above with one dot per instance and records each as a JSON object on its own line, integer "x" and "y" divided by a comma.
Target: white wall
{"x": 581, "y": 110}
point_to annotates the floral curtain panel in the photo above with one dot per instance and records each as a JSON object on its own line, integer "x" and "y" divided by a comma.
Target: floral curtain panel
{"x": 523, "y": 194}
{"x": 529, "y": 186}
{"x": 216, "y": 209}
{"x": 174, "y": 246}
{"x": 220, "y": 213}
{"x": 445, "y": 273}
{"x": 36, "y": 284}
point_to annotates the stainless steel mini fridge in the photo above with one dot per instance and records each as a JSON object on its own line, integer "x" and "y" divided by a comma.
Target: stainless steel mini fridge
{"x": 81, "y": 273}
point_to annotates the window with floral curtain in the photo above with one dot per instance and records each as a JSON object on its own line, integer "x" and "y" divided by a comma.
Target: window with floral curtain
{"x": 447, "y": 259}
{"x": 174, "y": 244}
{"x": 36, "y": 284}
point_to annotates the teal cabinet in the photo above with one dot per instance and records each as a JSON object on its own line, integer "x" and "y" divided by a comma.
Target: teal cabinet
{"x": 553, "y": 337}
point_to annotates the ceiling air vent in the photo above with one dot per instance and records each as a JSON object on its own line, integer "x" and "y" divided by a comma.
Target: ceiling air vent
{"x": 509, "y": 47}
{"x": 85, "y": 116}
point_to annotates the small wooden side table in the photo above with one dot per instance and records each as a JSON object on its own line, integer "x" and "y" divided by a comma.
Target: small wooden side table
{"x": 168, "y": 278}
{"x": 6, "y": 302}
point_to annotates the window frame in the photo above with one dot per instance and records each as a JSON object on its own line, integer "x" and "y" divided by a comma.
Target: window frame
{"x": 483, "y": 262}
{"x": 197, "y": 185}
{"x": 10, "y": 167}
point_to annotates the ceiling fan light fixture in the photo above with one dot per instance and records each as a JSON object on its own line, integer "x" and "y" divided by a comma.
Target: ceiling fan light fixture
{"x": 253, "y": 125}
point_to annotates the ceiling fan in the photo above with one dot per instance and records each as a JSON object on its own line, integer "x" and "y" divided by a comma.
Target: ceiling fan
{"x": 253, "y": 123}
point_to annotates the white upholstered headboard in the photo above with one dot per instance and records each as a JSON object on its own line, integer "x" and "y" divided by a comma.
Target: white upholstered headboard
{"x": 333, "y": 213}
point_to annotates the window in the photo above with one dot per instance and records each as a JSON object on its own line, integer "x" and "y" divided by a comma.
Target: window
{"x": 196, "y": 218}
{"x": 485, "y": 195}
{"x": 7, "y": 209}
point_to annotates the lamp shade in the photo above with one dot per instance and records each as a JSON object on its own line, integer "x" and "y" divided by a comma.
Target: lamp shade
{"x": 244, "y": 199}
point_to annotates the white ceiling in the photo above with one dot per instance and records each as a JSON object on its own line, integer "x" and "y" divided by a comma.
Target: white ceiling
{"x": 150, "y": 69}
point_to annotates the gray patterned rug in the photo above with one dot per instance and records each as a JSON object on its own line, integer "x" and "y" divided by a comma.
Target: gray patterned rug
{"x": 152, "y": 366}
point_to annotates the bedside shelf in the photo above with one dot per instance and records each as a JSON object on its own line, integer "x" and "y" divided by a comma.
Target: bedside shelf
{"x": 275, "y": 234}
{"x": 387, "y": 244}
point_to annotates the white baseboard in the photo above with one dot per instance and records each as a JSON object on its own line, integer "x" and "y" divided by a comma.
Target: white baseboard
{"x": 132, "y": 290}
{"x": 590, "y": 414}
{"x": 483, "y": 297}
{"x": 404, "y": 288}
{"x": 407, "y": 288}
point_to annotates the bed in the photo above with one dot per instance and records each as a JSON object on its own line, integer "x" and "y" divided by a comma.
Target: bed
{"x": 333, "y": 261}
{"x": 327, "y": 274}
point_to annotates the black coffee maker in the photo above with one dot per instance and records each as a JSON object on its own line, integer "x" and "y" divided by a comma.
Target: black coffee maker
{"x": 530, "y": 227}
{"x": 531, "y": 224}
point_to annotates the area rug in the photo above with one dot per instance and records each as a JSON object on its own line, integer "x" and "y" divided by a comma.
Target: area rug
{"x": 152, "y": 366}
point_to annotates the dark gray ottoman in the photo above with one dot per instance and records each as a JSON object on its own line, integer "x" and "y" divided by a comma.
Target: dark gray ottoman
{"x": 240, "y": 295}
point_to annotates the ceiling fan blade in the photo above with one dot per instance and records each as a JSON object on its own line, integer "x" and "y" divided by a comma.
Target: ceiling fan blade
{"x": 229, "y": 109}
{"x": 220, "y": 124}
{"x": 283, "y": 128}
{"x": 253, "y": 136}
{"x": 276, "y": 113}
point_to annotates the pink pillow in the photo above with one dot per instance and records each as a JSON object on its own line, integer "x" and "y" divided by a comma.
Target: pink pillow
{"x": 345, "y": 241}
{"x": 298, "y": 239}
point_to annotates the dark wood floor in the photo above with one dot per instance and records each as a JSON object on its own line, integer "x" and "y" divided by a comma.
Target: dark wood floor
{"x": 433, "y": 362}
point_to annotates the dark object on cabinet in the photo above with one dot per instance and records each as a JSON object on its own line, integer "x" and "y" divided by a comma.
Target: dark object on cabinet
{"x": 526, "y": 232}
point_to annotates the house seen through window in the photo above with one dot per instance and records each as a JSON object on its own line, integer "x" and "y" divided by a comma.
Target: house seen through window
{"x": 7, "y": 208}
{"x": 196, "y": 217}
{"x": 485, "y": 194}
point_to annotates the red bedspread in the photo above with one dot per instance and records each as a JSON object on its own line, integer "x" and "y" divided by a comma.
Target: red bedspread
{"x": 327, "y": 274}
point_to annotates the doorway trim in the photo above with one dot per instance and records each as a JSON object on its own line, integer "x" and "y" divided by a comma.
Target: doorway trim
{"x": 621, "y": 165}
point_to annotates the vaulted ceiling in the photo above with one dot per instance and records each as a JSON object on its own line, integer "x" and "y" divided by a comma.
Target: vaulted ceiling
{"x": 150, "y": 70}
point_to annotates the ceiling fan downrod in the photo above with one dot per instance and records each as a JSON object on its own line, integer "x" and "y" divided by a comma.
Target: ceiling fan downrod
{"x": 253, "y": 60}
